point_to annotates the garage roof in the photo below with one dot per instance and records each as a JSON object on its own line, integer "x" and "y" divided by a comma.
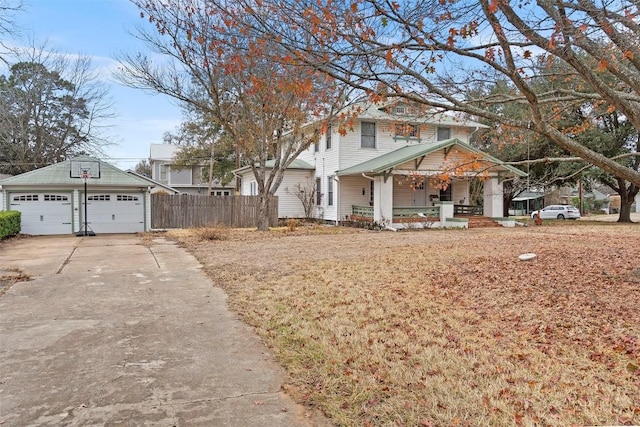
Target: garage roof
{"x": 59, "y": 174}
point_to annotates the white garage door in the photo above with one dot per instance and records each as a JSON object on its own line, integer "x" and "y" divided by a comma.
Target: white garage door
{"x": 43, "y": 213}
{"x": 114, "y": 212}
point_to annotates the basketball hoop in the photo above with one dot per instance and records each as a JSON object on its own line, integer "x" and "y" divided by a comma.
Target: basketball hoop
{"x": 85, "y": 174}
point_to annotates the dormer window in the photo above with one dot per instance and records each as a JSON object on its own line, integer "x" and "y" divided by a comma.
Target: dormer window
{"x": 401, "y": 109}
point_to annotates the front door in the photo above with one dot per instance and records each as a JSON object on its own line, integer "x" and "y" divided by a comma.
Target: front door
{"x": 420, "y": 194}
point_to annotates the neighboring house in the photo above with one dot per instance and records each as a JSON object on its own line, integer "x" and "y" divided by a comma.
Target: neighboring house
{"x": 52, "y": 199}
{"x": 370, "y": 172}
{"x": 186, "y": 181}
{"x": 526, "y": 202}
{"x": 298, "y": 180}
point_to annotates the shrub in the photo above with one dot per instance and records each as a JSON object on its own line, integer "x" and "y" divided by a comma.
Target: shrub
{"x": 9, "y": 223}
{"x": 292, "y": 224}
{"x": 212, "y": 233}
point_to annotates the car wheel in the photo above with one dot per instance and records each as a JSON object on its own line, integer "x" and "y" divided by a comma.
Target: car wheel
{"x": 560, "y": 216}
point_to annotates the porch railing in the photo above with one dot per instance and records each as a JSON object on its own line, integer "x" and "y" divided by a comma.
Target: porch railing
{"x": 468, "y": 210}
{"x": 362, "y": 211}
{"x": 400, "y": 214}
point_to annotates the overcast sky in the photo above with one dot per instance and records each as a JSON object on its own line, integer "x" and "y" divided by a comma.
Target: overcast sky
{"x": 100, "y": 29}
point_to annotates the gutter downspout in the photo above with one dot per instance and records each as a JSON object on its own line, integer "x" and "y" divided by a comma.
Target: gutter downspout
{"x": 368, "y": 177}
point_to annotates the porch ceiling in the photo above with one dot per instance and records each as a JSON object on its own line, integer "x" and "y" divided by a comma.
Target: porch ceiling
{"x": 402, "y": 155}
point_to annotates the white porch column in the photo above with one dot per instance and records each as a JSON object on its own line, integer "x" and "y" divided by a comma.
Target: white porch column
{"x": 493, "y": 201}
{"x": 638, "y": 202}
{"x": 383, "y": 200}
{"x": 446, "y": 211}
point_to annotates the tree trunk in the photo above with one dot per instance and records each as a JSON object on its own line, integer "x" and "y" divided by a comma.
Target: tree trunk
{"x": 263, "y": 213}
{"x": 625, "y": 210}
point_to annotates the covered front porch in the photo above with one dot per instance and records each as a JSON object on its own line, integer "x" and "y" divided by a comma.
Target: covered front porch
{"x": 407, "y": 207}
{"x": 403, "y": 189}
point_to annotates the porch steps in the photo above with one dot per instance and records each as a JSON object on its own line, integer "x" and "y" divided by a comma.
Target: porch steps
{"x": 480, "y": 221}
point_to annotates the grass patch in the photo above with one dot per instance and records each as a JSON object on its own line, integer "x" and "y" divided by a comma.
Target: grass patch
{"x": 440, "y": 328}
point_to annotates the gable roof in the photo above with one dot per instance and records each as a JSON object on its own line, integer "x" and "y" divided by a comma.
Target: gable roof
{"x": 59, "y": 174}
{"x": 402, "y": 155}
{"x": 164, "y": 152}
{"x": 379, "y": 111}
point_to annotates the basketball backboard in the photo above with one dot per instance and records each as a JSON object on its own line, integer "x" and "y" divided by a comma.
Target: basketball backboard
{"x": 82, "y": 168}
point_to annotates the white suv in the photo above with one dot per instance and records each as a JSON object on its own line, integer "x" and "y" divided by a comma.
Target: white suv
{"x": 557, "y": 212}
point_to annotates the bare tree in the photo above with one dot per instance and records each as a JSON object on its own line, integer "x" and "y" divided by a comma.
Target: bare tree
{"x": 433, "y": 52}
{"x": 8, "y": 11}
{"x": 263, "y": 106}
{"x": 52, "y": 107}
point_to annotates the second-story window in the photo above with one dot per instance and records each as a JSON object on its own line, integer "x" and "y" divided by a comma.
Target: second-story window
{"x": 163, "y": 172}
{"x": 329, "y": 130}
{"x": 368, "y": 135}
{"x": 404, "y": 130}
{"x": 444, "y": 133}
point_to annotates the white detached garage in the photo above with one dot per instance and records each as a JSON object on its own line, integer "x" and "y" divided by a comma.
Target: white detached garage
{"x": 52, "y": 199}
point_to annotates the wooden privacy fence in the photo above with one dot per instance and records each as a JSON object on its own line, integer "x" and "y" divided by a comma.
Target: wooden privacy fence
{"x": 186, "y": 211}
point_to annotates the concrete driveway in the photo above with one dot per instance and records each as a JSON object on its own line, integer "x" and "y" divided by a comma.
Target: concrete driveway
{"x": 111, "y": 331}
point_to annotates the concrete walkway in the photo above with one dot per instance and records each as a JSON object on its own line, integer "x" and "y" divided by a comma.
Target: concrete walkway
{"x": 111, "y": 331}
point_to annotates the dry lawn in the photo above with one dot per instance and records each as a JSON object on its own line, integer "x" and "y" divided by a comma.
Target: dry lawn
{"x": 444, "y": 328}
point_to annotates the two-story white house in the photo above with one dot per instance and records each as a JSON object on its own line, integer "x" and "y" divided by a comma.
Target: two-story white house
{"x": 184, "y": 181}
{"x": 395, "y": 165}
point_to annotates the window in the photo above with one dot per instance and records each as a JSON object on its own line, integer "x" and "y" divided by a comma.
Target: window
{"x": 100, "y": 197}
{"x": 318, "y": 192}
{"x": 445, "y": 195}
{"x": 404, "y": 130}
{"x": 204, "y": 172}
{"x": 253, "y": 188}
{"x": 55, "y": 198}
{"x": 400, "y": 109}
{"x": 126, "y": 198}
{"x": 26, "y": 198}
{"x": 444, "y": 133}
{"x": 368, "y": 135}
{"x": 371, "y": 193}
{"x": 330, "y": 191}
{"x": 328, "y": 137}
{"x": 163, "y": 172}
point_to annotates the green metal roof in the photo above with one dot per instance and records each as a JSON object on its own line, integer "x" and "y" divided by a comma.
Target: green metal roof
{"x": 402, "y": 155}
{"x": 59, "y": 174}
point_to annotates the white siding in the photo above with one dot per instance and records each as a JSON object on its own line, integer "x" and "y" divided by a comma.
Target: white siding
{"x": 350, "y": 190}
{"x": 289, "y": 204}
{"x": 308, "y": 155}
{"x": 77, "y": 206}
{"x": 460, "y": 192}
